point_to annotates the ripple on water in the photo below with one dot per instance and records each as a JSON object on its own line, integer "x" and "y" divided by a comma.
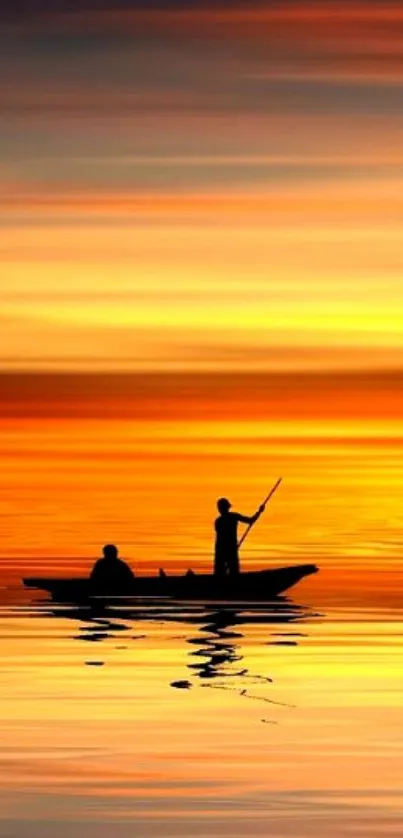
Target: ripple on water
{"x": 205, "y": 721}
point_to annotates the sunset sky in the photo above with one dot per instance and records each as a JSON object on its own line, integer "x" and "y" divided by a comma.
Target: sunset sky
{"x": 185, "y": 187}
{"x": 210, "y": 196}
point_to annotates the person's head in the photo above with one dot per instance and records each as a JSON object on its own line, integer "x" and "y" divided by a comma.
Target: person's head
{"x": 223, "y": 505}
{"x": 110, "y": 551}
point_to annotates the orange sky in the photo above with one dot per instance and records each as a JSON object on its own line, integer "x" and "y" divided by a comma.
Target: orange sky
{"x": 202, "y": 187}
{"x": 209, "y": 200}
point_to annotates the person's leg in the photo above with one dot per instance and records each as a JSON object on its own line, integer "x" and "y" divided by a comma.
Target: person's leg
{"x": 234, "y": 565}
{"x": 219, "y": 567}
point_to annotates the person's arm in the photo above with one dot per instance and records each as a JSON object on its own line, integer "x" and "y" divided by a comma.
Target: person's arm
{"x": 249, "y": 519}
{"x": 95, "y": 571}
{"x": 126, "y": 572}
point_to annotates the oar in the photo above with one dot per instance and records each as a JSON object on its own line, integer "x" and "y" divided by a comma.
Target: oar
{"x": 276, "y": 485}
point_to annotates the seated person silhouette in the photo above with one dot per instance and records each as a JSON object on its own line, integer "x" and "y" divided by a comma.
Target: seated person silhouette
{"x": 226, "y": 560}
{"x": 111, "y": 575}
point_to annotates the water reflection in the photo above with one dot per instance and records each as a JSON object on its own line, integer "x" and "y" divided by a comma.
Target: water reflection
{"x": 216, "y": 649}
{"x": 219, "y": 647}
{"x": 200, "y": 720}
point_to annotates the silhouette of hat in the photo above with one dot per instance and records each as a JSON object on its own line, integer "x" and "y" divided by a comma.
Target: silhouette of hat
{"x": 224, "y": 504}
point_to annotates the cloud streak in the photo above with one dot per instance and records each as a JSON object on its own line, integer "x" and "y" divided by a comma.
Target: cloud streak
{"x": 205, "y": 187}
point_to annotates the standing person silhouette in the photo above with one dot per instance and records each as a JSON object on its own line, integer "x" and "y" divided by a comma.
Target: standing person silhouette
{"x": 226, "y": 558}
{"x": 111, "y": 575}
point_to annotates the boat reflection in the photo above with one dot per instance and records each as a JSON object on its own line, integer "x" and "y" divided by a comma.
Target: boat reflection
{"x": 217, "y": 646}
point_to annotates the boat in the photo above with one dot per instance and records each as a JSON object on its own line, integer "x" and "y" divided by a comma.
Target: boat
{"x": 257, "y": 586}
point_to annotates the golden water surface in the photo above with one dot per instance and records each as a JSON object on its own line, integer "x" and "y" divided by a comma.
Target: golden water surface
{"x": 171, "y": 721}
{"x": 201, "y": 721}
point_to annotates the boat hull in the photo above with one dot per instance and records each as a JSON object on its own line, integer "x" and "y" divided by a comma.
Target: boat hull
{"x": 257, "y": 586}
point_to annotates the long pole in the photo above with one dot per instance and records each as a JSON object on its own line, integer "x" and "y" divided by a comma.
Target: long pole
{"x": 276, "y": 485}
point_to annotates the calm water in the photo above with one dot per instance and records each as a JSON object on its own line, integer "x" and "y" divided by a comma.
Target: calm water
{"x": 67, "y": 486}
{"x": 164, "y": 721}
